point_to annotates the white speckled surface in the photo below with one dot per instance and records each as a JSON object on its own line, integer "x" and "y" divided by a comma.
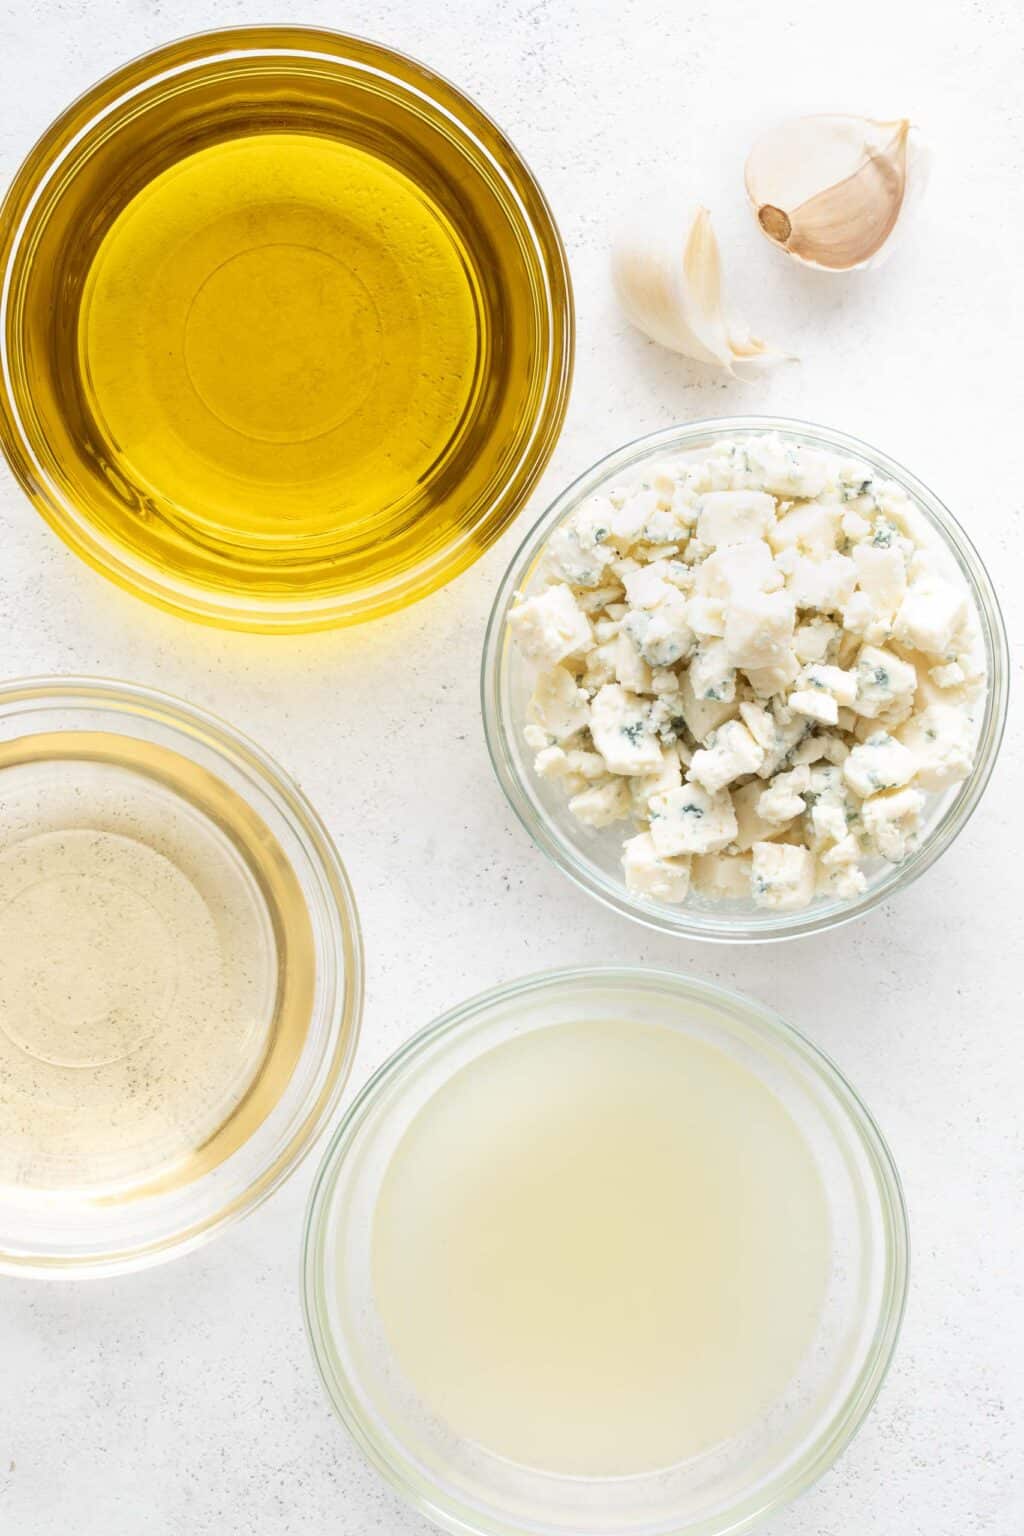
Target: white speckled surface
{"x": 183, "y": 1402}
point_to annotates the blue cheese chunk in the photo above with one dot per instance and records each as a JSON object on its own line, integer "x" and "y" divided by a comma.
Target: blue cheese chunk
{"x": 751, "y": 826}
{"x": 783, "y": 800}
{"x": 559, "y": 705}
{"x": 786, "y": 469}
{"x": 840, "y": 684}
{"x": 825, "y": 585}
{"x": 631, "y": 670}
{"x": 705, "y": 714}
{"x": 550, "y": 627}
{"x": 885, "y": 682}
{"x": 782, "y": 876}
{"x": 734, "y": 517}
{"x": 891, "y": 820}
{"x": 622, "y": 731}
{"x": 648, "y": 586}
{"x": 731, "y": 752}
{"x": 575, "y": 556}
{"x": 940, "y": 741}
{"x": 810, "y": 528}
{"x": 649, "y": 874}
{"x": 722, "y": 876}
{"x": 759, "y": 629}
{"x": 602, "y": 804}
{"x": 689, "y": 820}
{"x": 815, "y": 704}
{"x": 644, "y": 787}
{"x": 712, "y": 675}
{"x": 881, "y": 762}
{"x": 816, "y": 640}
{"x": 930, "y": 615}
{"x": 881, "y": 588}
{"x": 665, "y": 637}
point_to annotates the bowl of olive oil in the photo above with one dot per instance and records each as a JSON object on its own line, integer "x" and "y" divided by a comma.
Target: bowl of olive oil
{"x": 286, "y": 329}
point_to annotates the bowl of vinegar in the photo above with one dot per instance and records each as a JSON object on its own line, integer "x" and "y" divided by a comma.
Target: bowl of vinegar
{"x": 180, "y": 977}
{"x": 604, "y": 1252}
{"x": 286, "y": 329}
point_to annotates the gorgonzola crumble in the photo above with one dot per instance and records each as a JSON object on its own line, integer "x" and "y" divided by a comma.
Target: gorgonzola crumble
{"x": 760, "y": 663}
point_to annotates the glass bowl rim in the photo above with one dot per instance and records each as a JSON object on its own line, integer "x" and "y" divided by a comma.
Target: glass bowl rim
{"x": 692, "y": 923}
{"x": 552, "y": 293}
{"x": 829, "y": 1445}
{"x": 340, "y": 914}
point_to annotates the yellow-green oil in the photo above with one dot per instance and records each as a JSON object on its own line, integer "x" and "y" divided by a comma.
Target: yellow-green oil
{"x": 287, "y": 329}
{"x": 281, "y": 335}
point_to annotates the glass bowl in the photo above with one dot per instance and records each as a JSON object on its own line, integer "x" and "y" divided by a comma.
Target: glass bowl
{"x": 158, "y": 509}
{"x": 180, "y": 977}
{"x": 590, "y": 857}
{"x": 464, "y": 1487}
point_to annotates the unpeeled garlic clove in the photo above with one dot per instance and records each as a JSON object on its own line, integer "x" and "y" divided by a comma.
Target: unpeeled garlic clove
{"x": 672, "y": 291}
{"x": 831, "y": 189}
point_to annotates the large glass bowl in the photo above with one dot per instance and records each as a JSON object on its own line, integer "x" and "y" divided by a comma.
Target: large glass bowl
{"x": 465, "y": 1488}
{"x": 592, "y": 858}
{"x": 186, "y": 555}
{"x": 212, "y": 819}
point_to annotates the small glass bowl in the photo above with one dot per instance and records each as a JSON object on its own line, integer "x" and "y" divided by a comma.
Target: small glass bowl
{"x": 146, "y": 117}
{"x": 592, "y": 858}
{"x": 465, "y": 1488}
{"x": 83, "y": 744}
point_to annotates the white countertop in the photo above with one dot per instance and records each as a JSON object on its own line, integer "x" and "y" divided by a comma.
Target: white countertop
{"x": 183, "y": 1402}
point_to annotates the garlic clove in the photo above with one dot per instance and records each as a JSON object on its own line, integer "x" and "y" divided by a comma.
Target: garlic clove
{"x": 830, "y": 190}
{"x": 678, "y": 302}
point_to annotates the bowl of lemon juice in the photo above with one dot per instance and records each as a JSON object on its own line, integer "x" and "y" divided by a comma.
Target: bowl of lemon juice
{"x": 601, "y": 1252}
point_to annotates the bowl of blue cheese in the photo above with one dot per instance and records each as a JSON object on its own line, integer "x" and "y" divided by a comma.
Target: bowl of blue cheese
{"x": 744, "y": 679}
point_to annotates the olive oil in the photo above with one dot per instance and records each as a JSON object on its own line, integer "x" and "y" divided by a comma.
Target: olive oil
{"x": 156, "y": 968}
{"x": 287, "y": 329}
{"x": 601, "y": 1249}
{"x": 281, "y": 335}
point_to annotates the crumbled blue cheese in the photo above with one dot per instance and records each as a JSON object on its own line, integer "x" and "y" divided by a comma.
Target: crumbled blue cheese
{"x": 930, "y": 615}
{"x": 810, "y": 528}
{"x": 815, "y": 640}
{"x": 559, "y": 705}
{"x": 731, "y": 752}
{"x": 648, "y": 874}
{"x": 751, "y": 826}
{"x": 891, "y": 819}
{"x": 815, "y": 704}
{"x": 721, "y": 876}
{"x": 631, "y": 670}
{"x": 881, "y": 762}
{"x": 781, "y": 876}
{"x": 550, "y": 626}
{"x": 939, "y": 740}
{"x": 763, "y": 660}
{"x": 759, "y": 629}
{"x": 690, "y": 820}
{"x": 621, "y": 729}
{"x": 734, "y": 517}
{"x": 783, "y": 800}
{"x": 884, "y": 683}
{"x": 712, "y": 674}
{"x": 602, "y": 804}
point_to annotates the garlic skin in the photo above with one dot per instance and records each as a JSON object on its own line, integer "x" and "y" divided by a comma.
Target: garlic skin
{"x": 673, "y": 293}
{"x": 830, "y": 190}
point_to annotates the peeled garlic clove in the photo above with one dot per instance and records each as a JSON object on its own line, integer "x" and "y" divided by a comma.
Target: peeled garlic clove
{"x": 673, "y": 293}
{"x": 831, "y": 189}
